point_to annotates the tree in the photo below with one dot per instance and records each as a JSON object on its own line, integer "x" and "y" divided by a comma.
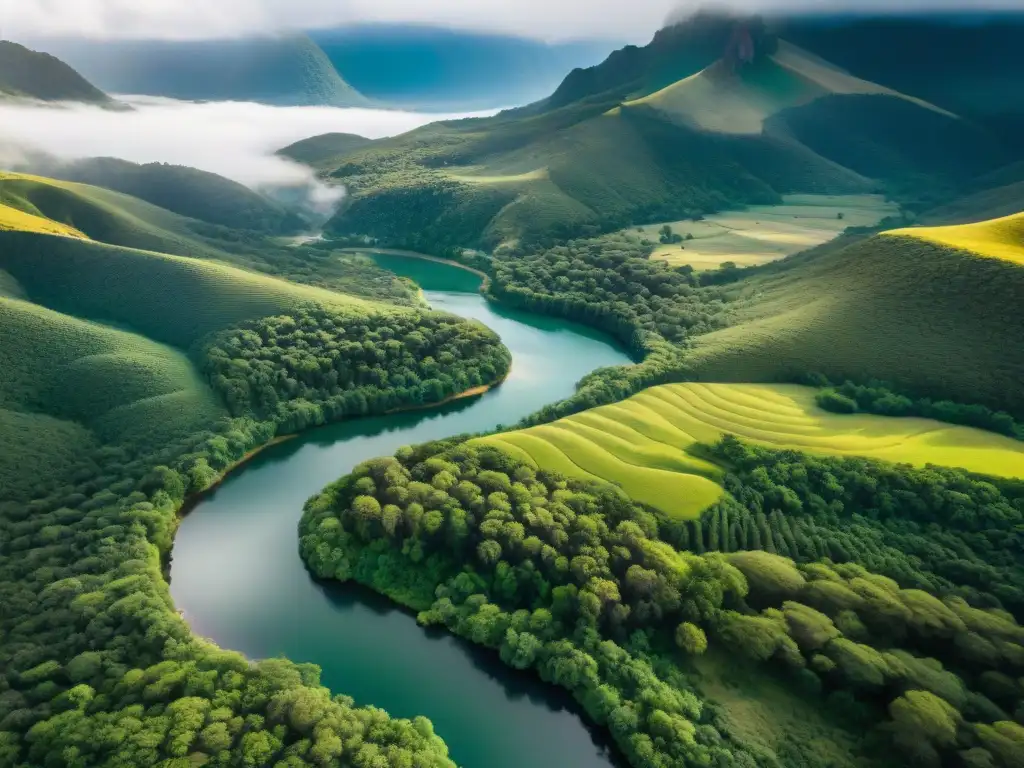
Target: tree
{"x": 691, "y": 638}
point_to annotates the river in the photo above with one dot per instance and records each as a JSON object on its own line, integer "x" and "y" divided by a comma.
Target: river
{"x": 237, "y": 575}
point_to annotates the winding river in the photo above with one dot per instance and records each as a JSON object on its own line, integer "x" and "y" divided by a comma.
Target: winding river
{"x": 237, "y": 575}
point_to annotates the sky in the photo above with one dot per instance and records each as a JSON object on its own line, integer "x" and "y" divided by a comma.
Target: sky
{"x": 551, "y": 20}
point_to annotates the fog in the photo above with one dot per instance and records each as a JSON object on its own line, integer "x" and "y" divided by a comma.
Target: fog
{"x": 234, "y": 139}
{"x": 543, "y": 19}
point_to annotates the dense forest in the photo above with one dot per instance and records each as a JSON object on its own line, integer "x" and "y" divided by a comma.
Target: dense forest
{"x": 881, "y": 398}
{"x": 97, "y": 667}
{"x": 611, "y": 284}
{"x": 578, "y": 583}
{"x": 318, "y": 366}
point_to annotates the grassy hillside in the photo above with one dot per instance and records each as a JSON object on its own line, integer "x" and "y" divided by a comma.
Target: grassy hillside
{"x": 104, "y": 215}
{"x": 186, "y": 191}
{"x": 324, "y": 151}
{"x": 727, "y": 99}
{"x": 645, "y": 444}
{"x": 566, "y": 173}
{"x": 994, "y": 239}
{"x": 173, "y": 299}
{"x": 287, "y": 70}
{"x": 16, "y": 220}
{"x": 990, "y": 202}
{"x": 932, "y": 318}
{"x": 32, "y": 75}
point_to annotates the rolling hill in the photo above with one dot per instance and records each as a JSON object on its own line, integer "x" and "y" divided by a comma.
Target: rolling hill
{"x": 324, "y": 151}
{"x": 931, "y": 309}
{"x": 186, "y": 191}
{"x": 715, "y": 113}
{"x": 287, "y": 70}
{"x": 104, "y": 215}
{"x": 28, "y": 74}
{"x": 649, "y": 444}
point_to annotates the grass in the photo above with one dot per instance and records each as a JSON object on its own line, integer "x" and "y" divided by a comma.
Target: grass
{"x": 171, "y": 299}
{"x": 765, "y": 710}
{"x": 186, "y": 191}
{"x": 765, "y": 233}
{"x": 104, "y": 215}
{"x": 648, "y": 445}
{"x": 995, "y": 239}
{"x": 931, "y": 319}
{"x": 70, "y": 384}
{"x": 14, "y": 220}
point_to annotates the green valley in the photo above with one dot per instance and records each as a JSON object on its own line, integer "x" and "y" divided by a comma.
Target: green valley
{"x": 687, "y": 400}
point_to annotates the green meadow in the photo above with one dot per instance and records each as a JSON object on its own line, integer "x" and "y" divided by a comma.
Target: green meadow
{"x": 764, "y": 233}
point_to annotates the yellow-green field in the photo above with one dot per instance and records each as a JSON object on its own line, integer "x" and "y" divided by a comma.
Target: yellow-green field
{"x": 645, "y": 444}
{"x": 14, "y": 220}
{"x": 996, "y": 239}
{"x": 764, "y": 233}
{"x": 486, "y": 176}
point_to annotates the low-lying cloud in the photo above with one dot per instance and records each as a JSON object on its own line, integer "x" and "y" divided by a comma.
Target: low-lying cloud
{"x": 234, "y": 139}
{"x": 539, "y": 19}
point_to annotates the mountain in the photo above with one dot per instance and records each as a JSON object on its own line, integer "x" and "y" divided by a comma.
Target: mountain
{"x": 29, "y": 74}
{"x": 288, "y": 70}
{"x": 325, "y": 149}
{"x": 972, "y": 65}
{"x": 432, "y": 68}
{"x": 716, "y": 112}
{"x": 186, "y": 191}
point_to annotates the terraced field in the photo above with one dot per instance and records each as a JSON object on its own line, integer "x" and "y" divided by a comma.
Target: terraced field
{"x": 764, "y": 233}
{"x": 649, "y": 444}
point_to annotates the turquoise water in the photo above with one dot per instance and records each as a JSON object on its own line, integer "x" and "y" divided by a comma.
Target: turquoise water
{"x": 237, "y": 575}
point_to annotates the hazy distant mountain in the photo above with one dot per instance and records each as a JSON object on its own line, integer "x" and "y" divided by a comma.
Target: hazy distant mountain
{"x": 29, "y": 74}
{"x": 287, "y": 70}
{"x": 435, "y": 68}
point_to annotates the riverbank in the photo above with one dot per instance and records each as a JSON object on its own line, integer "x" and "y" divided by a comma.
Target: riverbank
{"x": 194, "y": 500}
